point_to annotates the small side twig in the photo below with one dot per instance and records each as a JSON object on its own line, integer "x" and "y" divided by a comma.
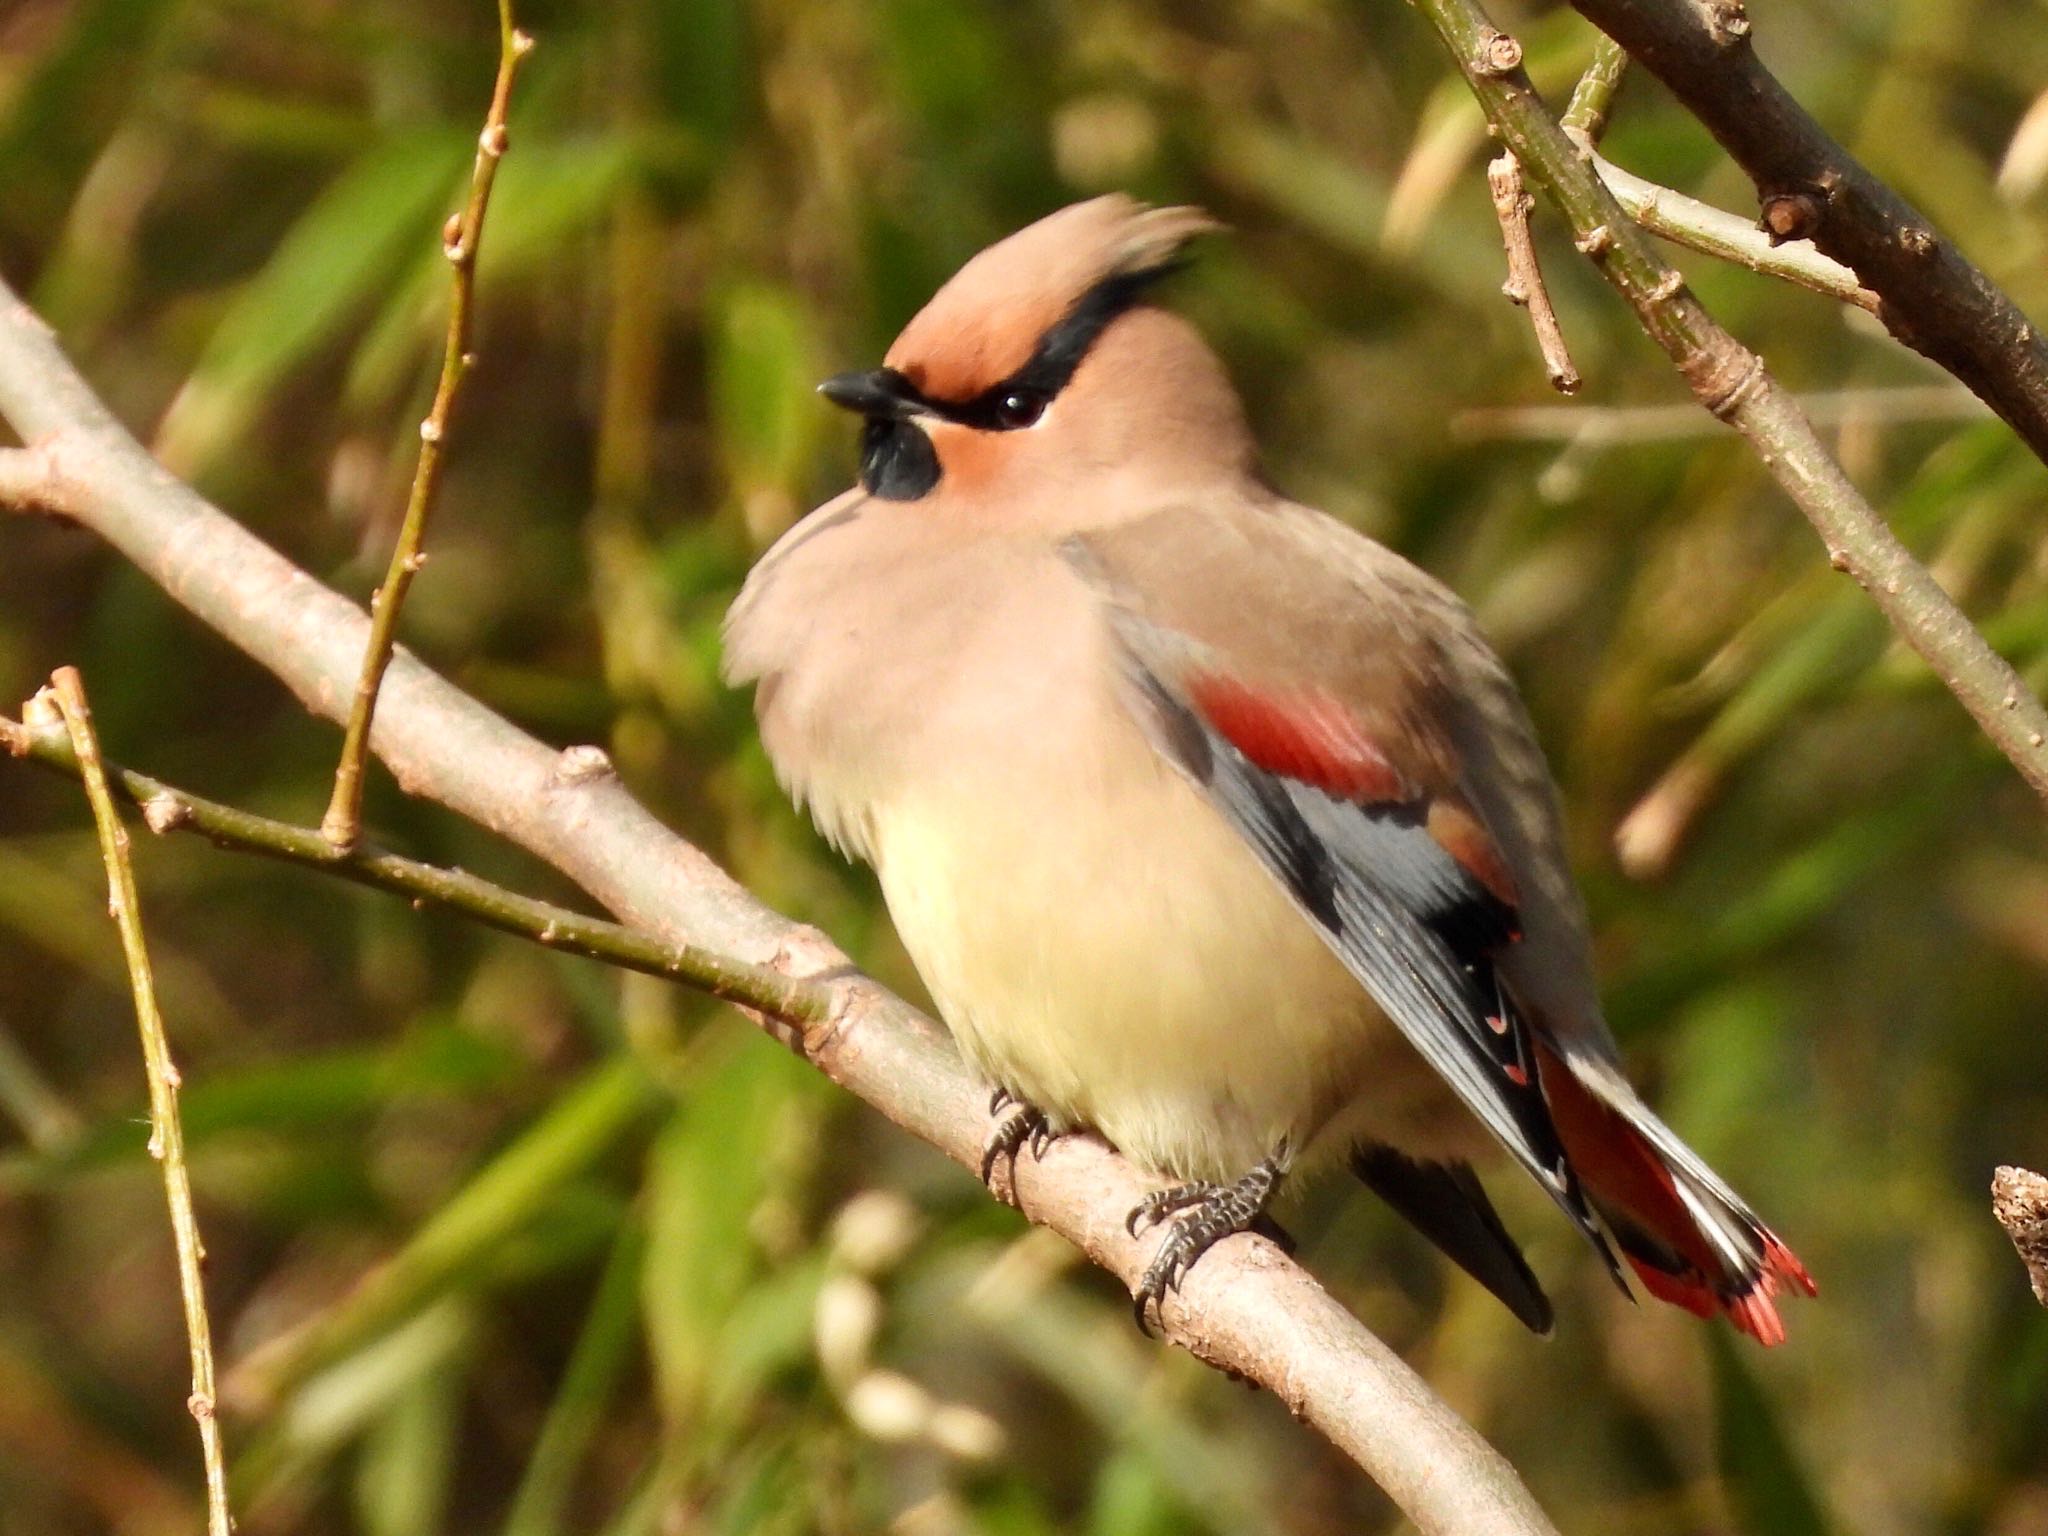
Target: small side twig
{"x": 168, "y": 809}
{"x": 2019, "y": 1199}
{"x": 66, "y": 696}
{"x": 1524, "y": 285}
{"x": 343, "y": 823}
{"x": 1714, "y": 231}
{"x": 1586, "y": 116}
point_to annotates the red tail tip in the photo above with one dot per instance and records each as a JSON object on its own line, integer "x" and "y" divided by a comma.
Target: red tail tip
{"x": 1754, "y": 1312}
{"x": 1783, "y": 1264}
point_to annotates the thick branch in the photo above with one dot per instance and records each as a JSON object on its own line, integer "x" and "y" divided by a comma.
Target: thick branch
{"x": 1732, "y": 382}
{"x": 1246, "y": 1307}
{"x": 1932, "y": 298}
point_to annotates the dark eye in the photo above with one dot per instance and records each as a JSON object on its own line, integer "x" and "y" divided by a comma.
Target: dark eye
{"x": 1019, "y": 408}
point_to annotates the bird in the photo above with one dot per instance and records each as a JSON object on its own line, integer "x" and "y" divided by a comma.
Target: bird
{"x": 1211, "y": 825}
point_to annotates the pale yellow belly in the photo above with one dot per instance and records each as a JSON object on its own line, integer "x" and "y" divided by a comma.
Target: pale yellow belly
{"x": 1113, "y": 953}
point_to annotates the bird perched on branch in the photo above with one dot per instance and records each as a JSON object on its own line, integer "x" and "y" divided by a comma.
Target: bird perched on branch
{"x": 1211, "y": 824}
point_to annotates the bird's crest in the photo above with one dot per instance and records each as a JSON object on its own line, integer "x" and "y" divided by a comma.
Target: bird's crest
{"x": 1041, "y": 296}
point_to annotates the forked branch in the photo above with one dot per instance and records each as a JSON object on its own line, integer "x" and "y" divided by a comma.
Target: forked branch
{"x": 460, "y": 242}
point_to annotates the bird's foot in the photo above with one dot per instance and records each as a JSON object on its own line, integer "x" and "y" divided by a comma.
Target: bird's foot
{"x": 1018, "y": 1125}
{"x": 1213, "y": 1212}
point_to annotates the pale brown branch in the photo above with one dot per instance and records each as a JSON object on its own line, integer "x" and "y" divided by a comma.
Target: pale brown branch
{"x": 2019, "y": 1199}
{"x": 66, "y": 697}
{"x": 1524, "y": 285}
{"x": 460, "y": 242}
{"x": 1246, "y": 1307}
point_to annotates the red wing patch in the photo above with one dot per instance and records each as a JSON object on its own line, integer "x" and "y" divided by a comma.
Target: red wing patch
{"x": 1300, "y": 734}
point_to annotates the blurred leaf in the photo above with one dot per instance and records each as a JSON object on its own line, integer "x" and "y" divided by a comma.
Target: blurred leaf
{"x": 703, "y": 73}
{"x": 310, "y": 1094}
{"x": 708, "y": 1175}
{"x": 602, "y": 1350}
{"x": 547, "y": 194}
{"x": 1130, "y": 1500}
{"x": 764, "y": 376}
{"x": 357, "y": 233}
{"x": 509, "y": 1191}
{"x": 408, "y": 1459}
{"x": 1767, "y": 1488}
{"x": 338, "y": 1404}
{"x": 77, "y": 89}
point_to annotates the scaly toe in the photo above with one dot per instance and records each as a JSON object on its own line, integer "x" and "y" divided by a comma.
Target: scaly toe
{"x": 1161, "y": 1203}
{"x": 1021, "y": 1125}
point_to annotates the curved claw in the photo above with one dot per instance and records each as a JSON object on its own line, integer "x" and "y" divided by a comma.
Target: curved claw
{"x": 1023, "y": 1124}
{"x": 1215, "y": 1211}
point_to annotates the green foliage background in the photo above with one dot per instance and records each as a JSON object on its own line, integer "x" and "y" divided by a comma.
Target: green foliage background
{"x": 500, "y": 1241}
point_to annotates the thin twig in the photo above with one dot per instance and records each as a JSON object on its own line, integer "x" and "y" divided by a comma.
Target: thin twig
{"x": 168, "y": 809}
{"x": 66, "y": 697}
{"x": 1933, "y": 298}
{"x": 1586, "y": 116}
{"x": 1733, "y": 384}
{"x": 1524, "y": 285}
{"x": 1245, "y": 1308}
{"x": 1702, "y": 227}
{"x": 343, "y": 823}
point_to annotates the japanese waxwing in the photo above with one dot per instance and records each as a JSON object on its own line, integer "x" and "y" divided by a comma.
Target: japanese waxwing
{"x": 1211, "y": 825}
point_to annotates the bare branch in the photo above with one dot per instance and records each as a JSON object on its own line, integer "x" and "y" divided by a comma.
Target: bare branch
{"x": 2019, "y": 1199}
{"x": 460, "y": 241}
{"x": 1933, "y": 298}
{"x": 1732, "y": 383}
{"x": 1246, "y": 1307}
{"x": 1511, "y": 205}
{"x": 66, "y": 697}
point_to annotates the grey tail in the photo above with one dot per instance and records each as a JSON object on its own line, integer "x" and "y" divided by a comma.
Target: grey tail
{"x": 1446, "y": 1203}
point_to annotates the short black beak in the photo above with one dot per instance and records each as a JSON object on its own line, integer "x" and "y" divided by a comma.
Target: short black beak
{"x": 880, "y": 393}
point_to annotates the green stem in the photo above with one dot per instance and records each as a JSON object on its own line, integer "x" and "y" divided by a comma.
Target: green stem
{"x": 167, "y": 809}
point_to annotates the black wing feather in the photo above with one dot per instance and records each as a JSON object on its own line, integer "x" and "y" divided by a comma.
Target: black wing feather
{"x": 1446, "y": 1203}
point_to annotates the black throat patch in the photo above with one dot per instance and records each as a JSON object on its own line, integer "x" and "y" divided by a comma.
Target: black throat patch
{"x": 897, "y": 461}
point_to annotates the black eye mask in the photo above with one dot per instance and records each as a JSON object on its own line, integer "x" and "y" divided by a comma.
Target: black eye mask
{"x": 897, "y": 460}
